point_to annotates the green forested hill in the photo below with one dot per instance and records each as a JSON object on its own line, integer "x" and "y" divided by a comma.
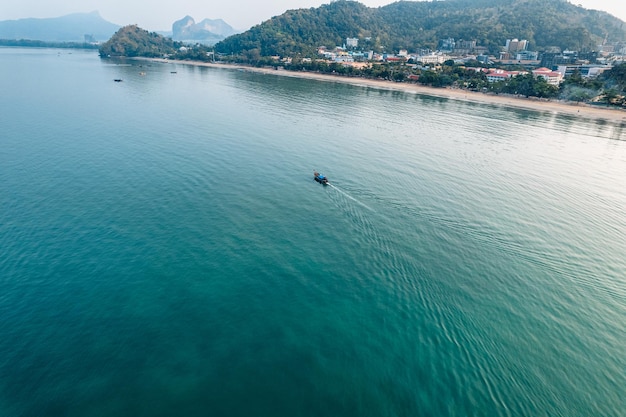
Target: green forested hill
{"x": 132, "y": 41}
{"x": 301, "y": 31}
{"x": 421, "y": 24}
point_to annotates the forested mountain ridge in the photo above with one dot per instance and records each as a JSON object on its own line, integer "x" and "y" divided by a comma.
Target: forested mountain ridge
{"x": 421, "y": 24}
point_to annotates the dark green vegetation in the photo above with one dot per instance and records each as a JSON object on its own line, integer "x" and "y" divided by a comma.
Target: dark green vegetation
{"x": 42, "y": 44}
{"x": 608, "y": 88}
{"x": 411, "y": 25}
{"x": 447, "y": 76}
{"x": 132, "y": 41}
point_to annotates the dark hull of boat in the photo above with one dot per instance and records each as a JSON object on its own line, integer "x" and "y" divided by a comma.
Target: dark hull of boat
{"x": 320, "y": 178}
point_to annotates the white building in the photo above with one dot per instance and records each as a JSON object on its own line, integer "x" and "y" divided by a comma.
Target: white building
{"x": 515, "y": 45}
{"x": 552, "y": 77}
{"x": 586, "y": 71}
{"x": 432, "y": 58}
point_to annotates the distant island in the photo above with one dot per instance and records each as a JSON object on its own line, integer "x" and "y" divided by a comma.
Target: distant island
{"x": 84, "y": 30}
{"x": 568, "y": 53}
{"x": 132, "y": 41}
{"x": 76, "y": 28}
{"x": 27, "y": 43}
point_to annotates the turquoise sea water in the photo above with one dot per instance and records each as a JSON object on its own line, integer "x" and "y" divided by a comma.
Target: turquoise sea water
{"x": 165, "y": 251}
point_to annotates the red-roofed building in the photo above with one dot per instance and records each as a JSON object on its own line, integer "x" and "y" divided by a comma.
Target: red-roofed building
{"x": 500, "y": 75}
{"x": 552, "y": 77}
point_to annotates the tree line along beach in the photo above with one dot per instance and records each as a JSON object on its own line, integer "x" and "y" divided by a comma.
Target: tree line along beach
{"x": 547, "y": 105}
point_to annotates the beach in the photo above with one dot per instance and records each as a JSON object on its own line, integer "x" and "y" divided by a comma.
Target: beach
{"x": 546, "y": 105}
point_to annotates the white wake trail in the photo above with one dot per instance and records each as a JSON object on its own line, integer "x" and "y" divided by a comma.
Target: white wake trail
{"x": 351, "y": 198}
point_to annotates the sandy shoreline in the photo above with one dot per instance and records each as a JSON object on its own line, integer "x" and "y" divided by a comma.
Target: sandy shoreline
{"x": 580, "y": 110}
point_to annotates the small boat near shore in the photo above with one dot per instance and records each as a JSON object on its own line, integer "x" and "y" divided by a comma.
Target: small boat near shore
{"x": 320, "y": 178}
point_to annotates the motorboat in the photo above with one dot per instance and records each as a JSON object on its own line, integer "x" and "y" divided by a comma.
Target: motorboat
{"x": 320, "y": 178}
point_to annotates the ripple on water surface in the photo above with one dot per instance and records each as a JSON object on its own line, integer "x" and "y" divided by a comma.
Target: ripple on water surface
{"x": 166, "y": 250}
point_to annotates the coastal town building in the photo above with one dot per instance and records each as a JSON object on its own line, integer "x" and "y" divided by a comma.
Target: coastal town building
{"x": 552, "y": 77}
{"x": 552, "y": 65}
{"x": 617, "y": 60}
{"x": 585, "y": 71}
{"x": 460, "y": 47}
{"x": 447, "y": 44}
{"x": 343, "y": 58}
{"x": 432, "y": 58}
{"x": 515, "y": 45}
{"x": 527, "y": 56}
{"x": 517, "y": 62}
{"x": 515, "y": 49}
{"x": 495, "y": 75}
{"x": 463, "y": 47}
{"x": 394, "y": 58}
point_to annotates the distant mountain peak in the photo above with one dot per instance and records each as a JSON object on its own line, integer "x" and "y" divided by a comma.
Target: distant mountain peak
{"x": 208, "y": 29}
{"x": 68, "y": 28}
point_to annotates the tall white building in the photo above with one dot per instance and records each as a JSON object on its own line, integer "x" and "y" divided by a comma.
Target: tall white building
{"x": 515, "y": 45}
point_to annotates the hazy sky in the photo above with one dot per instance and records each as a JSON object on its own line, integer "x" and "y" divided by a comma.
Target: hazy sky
{"x": 241, "y": 14}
